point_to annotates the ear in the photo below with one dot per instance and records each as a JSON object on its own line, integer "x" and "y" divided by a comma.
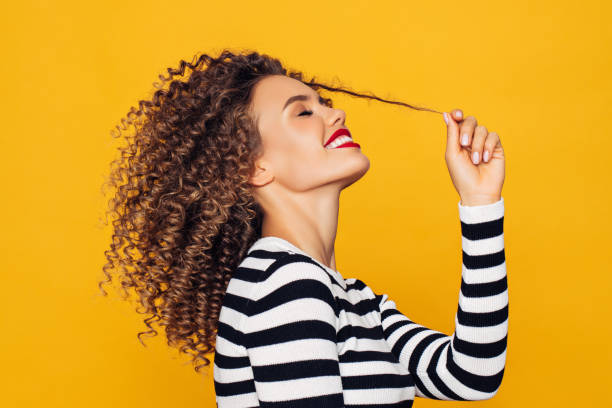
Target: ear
{"x": 263, "y": 174}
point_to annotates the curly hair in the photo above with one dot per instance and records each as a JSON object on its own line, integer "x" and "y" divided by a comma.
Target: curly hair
{"x": 184, "y": 211}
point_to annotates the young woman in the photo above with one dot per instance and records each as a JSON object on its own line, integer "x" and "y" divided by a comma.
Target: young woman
{"x": 230, "y": 201}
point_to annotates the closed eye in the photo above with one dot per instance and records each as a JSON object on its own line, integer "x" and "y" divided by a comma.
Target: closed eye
{"x": 322, "y": 101}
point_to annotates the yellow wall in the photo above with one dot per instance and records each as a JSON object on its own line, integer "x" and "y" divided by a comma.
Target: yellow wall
{"x": 538, "y": 73}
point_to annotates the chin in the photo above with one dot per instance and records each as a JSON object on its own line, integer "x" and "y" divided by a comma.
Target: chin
{"x": 358, "y": 169}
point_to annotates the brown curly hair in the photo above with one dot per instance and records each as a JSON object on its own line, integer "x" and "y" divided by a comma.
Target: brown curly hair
{"x": 185, "y": 213}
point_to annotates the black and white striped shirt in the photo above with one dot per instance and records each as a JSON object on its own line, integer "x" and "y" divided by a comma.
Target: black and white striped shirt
{"x": 294, "y": 333}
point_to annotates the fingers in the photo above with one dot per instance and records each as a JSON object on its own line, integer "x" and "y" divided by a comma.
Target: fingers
{"x": 452, "y": 134}
{"x": 467, "y": 128}
{"x": 478, "y": 142}
{"x": 467, "y": 133}
{"x": 489, "y": 147}
{"x": 457, "y": 114}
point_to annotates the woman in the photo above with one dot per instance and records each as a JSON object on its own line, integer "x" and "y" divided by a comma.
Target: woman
{"x": 231, "y": 197}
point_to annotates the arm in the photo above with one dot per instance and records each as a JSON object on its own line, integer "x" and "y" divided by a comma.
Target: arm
{"x": 469, "y": 365}
{"x": 290, "y": 336}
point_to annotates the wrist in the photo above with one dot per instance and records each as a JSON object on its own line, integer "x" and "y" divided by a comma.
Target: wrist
{"x": 472, "y": 201}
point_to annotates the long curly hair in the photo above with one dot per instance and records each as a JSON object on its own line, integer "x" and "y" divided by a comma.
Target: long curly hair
{"x": 183, "y": 209}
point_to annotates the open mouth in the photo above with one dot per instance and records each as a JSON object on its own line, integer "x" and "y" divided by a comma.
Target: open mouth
{"x": 342, "y": 141}
{"x": 340, "y": 138}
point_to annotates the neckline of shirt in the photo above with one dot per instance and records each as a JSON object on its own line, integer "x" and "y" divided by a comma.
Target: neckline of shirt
{"x": 284, "y": 244}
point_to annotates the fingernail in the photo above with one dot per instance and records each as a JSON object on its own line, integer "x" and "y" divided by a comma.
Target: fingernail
{"x": 486, "y": 156}
{"x": 464, "y": 139}
{"x": 445, "y": 118}
{"x": 459, "y": 114}
{"x": 475, "y": 158}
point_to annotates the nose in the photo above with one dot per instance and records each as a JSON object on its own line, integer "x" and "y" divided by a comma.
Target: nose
{"x": 337, "y": 115}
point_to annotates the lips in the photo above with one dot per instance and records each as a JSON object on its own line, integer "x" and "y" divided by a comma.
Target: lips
{"x": 336, "y": 134}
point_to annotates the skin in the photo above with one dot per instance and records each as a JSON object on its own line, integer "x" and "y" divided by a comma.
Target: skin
{"x": 478, "y": 181}
{"x": 298, "y": 182}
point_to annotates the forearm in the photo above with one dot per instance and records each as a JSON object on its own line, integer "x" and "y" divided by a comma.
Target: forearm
{"x": 469, "y": 364}
{"x": 481, "y": 325}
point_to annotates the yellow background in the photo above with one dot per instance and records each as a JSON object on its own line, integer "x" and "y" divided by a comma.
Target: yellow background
{"x": 538, "y": 73}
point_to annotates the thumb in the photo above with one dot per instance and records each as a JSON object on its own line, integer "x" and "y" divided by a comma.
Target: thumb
{"x": 452, "y": 134}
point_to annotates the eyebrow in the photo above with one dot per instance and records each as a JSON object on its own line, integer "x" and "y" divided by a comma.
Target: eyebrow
{"x": 300, "y": 98}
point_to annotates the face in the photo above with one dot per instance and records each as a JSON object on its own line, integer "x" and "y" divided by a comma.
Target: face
{"x": 293, "y": 138}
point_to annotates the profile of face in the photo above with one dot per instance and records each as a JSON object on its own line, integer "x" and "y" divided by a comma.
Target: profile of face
{"x": 294, "y": 136}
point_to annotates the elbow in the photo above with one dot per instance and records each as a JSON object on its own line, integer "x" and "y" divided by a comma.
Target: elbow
{"x": 483, "y": 397}
{"x": 496, "y": 384}
{"x": 494, "y": 393}
{"x": 489, "y": 388}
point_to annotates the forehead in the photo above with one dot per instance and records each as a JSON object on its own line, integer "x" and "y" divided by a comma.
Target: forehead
{"x": 270, "y": 94}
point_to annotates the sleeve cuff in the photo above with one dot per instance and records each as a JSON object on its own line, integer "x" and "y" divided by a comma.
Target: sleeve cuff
{"x": 481, "y": 213}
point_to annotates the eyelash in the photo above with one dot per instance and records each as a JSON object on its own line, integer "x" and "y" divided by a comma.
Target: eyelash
{"x": 321, "y": 101}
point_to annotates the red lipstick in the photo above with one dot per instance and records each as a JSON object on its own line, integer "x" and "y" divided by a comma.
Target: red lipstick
{"x": 336, "y": 134}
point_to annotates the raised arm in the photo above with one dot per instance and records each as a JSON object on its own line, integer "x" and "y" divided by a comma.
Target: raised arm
{"x": 290, "y": 336}
{"x": 469, "y": 365}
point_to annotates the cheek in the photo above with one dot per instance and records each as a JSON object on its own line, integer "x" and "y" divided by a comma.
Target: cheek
{"x": 300, "y": 165}
{"x": 300, "y": 148}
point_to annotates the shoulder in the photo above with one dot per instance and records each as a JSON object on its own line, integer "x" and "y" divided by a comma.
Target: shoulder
{"x": 293, "y": 288}
{"x": 292, "y": 278}
{"x": 297, "y": 266}
{"x": 292, "y": 271}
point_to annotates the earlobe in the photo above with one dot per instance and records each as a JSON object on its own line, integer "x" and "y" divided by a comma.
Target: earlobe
{"x": 262, "y": 176}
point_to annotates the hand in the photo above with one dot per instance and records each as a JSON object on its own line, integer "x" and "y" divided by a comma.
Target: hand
{"x": 477, "y": 183}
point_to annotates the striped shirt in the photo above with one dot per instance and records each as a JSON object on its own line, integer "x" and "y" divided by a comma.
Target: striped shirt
{"x": 294, "y": 333}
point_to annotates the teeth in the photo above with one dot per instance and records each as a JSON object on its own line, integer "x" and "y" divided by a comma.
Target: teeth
{"x": 339, "y": 141}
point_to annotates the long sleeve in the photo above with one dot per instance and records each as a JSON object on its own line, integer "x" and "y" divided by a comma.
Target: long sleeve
{"x": 469, "y": 365}
{"x": 290, "y": 336}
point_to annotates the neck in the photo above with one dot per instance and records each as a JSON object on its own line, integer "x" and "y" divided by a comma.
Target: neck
{"x": 308, "y": 220}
